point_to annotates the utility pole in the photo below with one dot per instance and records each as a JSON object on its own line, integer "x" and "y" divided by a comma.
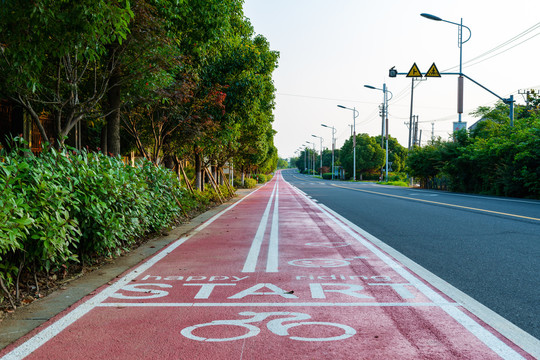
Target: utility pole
{"x": 526, "y": 97}
{"x": 382, "y": 118}
{"x": 411, "y": 115}
{"x": 432, "y": 131}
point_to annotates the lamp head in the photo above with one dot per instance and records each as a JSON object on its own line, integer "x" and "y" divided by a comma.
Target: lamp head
{"x": 431, "y": 17}
{"x": 341, "y": 106}
{"x": 370, "y": 87}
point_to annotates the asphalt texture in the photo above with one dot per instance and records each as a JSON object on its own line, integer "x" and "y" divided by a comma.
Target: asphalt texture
{"x": 487, "y": 247}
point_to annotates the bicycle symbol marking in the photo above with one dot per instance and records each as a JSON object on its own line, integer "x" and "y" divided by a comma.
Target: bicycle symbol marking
{"x": 328, "y": 244}
{"x": 276, "y": 326}
{"x": 323, "y": 263}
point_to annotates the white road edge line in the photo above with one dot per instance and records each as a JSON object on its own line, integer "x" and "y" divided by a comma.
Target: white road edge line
{"x": 489, "y": 339}
{"x": 56, "y": 327}
{"x": 515, "y": 334}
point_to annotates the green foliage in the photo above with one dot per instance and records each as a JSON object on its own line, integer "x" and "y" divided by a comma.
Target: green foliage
{"x": 282, "y": 163}
{"x": 493, "y": 159}
{"x": 250, "y": 183}
{"x": 396, "y": 183}
{"x": 262, "y": 178}
{"x": 63, "y": 205}
{"x": 369, "y": 155}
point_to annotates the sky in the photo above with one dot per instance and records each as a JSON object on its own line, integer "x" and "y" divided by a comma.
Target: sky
{"x": 330, "y": 49}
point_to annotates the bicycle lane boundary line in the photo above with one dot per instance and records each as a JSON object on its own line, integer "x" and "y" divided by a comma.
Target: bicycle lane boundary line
{"x": 504, "y": 327}
{"x": 484, "y": 335}
{"x": 255, "y": 249}
{"x": 82, "y": 307}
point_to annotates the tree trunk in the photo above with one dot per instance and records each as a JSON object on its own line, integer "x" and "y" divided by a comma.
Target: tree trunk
{"x": 198, "y": 175}
{"x": 104, "y": 139}
{"x": 113, "y": 118}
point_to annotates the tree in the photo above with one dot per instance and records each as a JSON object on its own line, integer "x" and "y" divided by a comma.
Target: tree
{"x": 424, "y": 163}
{"x": 52, "y": 57}
{"x": 369, "y": 155}
{"x": 396, "y": 153}
{"x": 282, "y": 163}
{"x": 166, "y": 44}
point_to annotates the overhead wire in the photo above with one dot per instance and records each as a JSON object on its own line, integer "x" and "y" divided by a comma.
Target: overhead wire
{"x": 500, "y": 46}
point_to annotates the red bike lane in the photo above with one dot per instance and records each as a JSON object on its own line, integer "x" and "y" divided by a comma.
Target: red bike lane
{"x": 273, "y": 276}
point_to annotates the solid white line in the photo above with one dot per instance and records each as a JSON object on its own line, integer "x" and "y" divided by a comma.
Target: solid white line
{"x": 518, "y": 336}
{"x": 489, "y": 339}
{"x": 310, "y": 304}
{"x": 59, "y": 325}
{"x": 253, "y": 255}
{"x": 273, "y": 248}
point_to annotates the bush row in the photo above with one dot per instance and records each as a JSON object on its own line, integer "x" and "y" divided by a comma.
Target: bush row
{"x": 493, "y": 159}
{"x": 251, "y": 182}
{"x": 66, "y": 206}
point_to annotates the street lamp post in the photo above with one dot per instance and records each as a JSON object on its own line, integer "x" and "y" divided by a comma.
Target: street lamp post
{"x": 355, "y": 114}
{"x": 460, "y": 45}
{"x": 305, "y": 158}
{"x": 333, "y": 144}
{"x": 385, "y": 113}
{"x": 320, "y": 137}
{"x": 313, "y": 160}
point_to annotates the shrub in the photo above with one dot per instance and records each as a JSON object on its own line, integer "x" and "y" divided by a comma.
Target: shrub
{"x": 327, "y": 176}
{"x": 62, "y": 206}
{"x": 250, "y": 183}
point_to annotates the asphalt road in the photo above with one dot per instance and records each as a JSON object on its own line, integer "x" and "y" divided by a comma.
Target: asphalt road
{"x": 487, "y": 247}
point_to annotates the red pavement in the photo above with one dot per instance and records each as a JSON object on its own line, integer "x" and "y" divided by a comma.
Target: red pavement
{"x": 273, "y": 277}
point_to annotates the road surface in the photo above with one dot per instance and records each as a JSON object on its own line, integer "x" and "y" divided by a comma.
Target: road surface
{"x": 274, "y": 276}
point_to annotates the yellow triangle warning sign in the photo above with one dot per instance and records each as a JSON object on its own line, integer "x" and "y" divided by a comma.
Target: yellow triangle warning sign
{"x": 433, "y": 71}
{"x": 414, "y": 72}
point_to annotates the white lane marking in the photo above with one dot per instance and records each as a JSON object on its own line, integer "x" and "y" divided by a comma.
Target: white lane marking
{"x": 489, "y": 339}
{"x": 255, "y": 249}
{"x": 59, "y": 325}
{"x": 279, "y": 304}
{"x": 273, "y": 246}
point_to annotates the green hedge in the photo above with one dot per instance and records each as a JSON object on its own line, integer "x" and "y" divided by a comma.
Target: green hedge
{"x": 63, "y": 206}
{"x": 250, "y": 183}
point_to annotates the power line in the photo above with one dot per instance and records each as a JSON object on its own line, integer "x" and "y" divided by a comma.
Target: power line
{"x": 505, "y": 43}
{"x": 325, "y": 98}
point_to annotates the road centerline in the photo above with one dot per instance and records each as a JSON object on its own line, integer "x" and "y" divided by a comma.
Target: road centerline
{"x": 438, "y": 203}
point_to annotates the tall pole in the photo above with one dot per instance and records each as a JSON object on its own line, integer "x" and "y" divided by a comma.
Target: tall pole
{"x": 305, "y": 159}
{"x": 321, "y": 157}
{"x": 382, "y": 123}
{"x": 333, "y": 146}
{"x": 354, "y": 143}
{"x": 460, "y": 82}
{"x": 355, "y": 114}
{"x": 411, "y": 115}
{"x": 385, "y": 118}
{"x": 314, "y": 157}
{"x": 460, "y": 45}
{"x": 386, "y": 108}
{"x": 321, "y": 139}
